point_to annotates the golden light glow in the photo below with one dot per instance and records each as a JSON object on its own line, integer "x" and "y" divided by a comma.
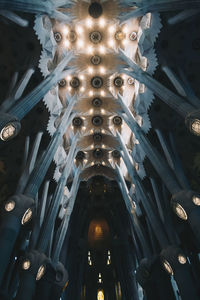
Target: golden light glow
{"x": 182, "y": 259}
{"x": 7, "y": 132}
{"x": 196, "y": 200}
{"x": 125, "y": 29}
{"x": 82, "y": 77}
{"x": 9, "y": 206}
{"x": 90, "y": 50}
{"x": 179, "y": 210}
{"x": 108, "y": 261}
{"x": 102, "y": 22}
{"x": 100, "y": 279}
{"x": 91, "y": 111}
{"x": 40, "y": 272}
{"x": 80, "y": 43}
{"x": 102, "y": 70}
{"x": 111, "y": 43}
{"x": 167, "y": 267}
{"x": 111, "y": 29}
{"x": 98, "y": 230}
{"x": 196, "y": 127}
{"x": 124, "y": 42}
{"x": 67, "y": 43}
{"x": 26, "y": 264}
{"x": 79, "y": 29}
{"x": 90, "y": 70}
{"x": 69, "y": 77}
{"x": 27, "y": 216}
{"x": 89, "y": 22}
{"x": 100, "y": 295}
{"x": 65, "y": 30}
{"x": 94, "y": 41}
{"x": 91, "y": 93}
{"x": 82, "y": 89}
{"x": 102, "y": 50}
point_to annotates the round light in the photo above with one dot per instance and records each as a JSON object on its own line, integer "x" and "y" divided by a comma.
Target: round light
{"x": 9, "y": 206}
{"x": 196, "y": 200}
{"x": 196, "y": 127}
{"x": 130, "y": 81}
{"x": 167, "y": 267}
{"x": 7, "y": 132}
{"x": 119, "y": 35}
{"x": 180, "y": 212}
{"x": 26, "y": 264}
{"x": 40, "y": 272}
{"x": 133, "y": 36}
{"x": 57, "y": 37}
{"x": 182, "y": 259}
{"x": 27, "y": 216}
{"x": 95, "y": 37}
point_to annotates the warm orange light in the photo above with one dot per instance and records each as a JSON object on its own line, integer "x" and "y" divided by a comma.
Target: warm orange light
{"x": 100, "y": 295}
{"x": 98, "y": 230}
{"x": 98, "y": 233}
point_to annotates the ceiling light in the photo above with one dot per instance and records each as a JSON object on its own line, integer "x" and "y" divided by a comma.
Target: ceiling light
{"x": 102, "y": 22}
{"x": 167, "y": 267}
{"x": 9, "y": 206}
{"x": 26, "y": 264}
{"x": 7, "y": 132}
{"x": 196, "y": 200}
{"x": 27, "y": 216}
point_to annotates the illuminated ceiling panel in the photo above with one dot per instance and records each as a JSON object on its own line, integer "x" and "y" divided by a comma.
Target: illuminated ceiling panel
{"x": 95, "y": 36}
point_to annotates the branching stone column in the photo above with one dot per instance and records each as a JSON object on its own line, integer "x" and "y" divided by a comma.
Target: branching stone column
{"x": 179, "y": 104}
{"x": 54, "y": 282}
{"x": 17, "y": 211}
{"x": 131, "y": 210}
{"x": 154, "y": 280}
{"x": 189, "y": 199}
{"x": 50, "y": 218}
{"x": 33, "y": 268}
{"x": 176, "y": 264}
{"x": 186, "y": 205}
{"x": 37, "y": 7}
{"x": 73, "y": 193}
{"x": 145, "y": 7}
{"x": 10, "y": 120}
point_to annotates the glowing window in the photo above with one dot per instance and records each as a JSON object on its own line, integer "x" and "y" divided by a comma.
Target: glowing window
{"x": 100, "y": 295}
{"x": 98, "y": 230}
